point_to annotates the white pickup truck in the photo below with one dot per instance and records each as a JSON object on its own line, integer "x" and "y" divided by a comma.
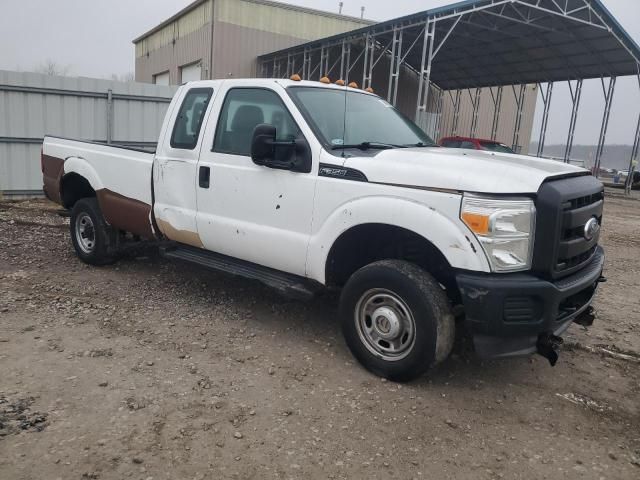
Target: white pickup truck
{"x": 304, "y": 185}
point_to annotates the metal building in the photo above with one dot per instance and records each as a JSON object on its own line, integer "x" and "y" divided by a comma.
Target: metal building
{"x": 222, "y": 38}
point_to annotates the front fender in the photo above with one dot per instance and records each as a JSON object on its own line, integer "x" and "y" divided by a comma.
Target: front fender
{"x": 80, "y": 166}
{"x": 441, "y": 228}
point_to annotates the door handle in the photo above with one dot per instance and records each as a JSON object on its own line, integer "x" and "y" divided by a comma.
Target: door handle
{"x": 204, "y": 176}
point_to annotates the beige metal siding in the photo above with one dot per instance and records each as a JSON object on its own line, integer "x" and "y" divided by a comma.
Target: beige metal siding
{"x": 189, "y": 49}
{"x": 283, "y": 19}
{"x": 243, "y": 29}
{"x": 189, "y": 23}
{"x": 237, "y": 49}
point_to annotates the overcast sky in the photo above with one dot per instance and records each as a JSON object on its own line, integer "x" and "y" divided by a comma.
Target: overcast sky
{"x": 93, "y": 38}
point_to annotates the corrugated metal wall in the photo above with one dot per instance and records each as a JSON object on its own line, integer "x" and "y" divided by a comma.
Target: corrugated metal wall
{"x": 33, "y": 105}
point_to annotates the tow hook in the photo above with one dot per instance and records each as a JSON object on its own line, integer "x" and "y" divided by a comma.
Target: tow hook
{"x": 602, "y": 279}
{"x": 586, "y": 318}
{"x": 548, "y": 345}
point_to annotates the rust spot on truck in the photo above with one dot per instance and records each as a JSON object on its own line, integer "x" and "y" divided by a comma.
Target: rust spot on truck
{"x": 125, "y": 213}
{"x": 181, "y": 236}
{"x": 52, "y": 171}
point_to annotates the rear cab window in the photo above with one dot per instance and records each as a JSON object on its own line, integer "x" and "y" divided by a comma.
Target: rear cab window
{"x": 186, "y": 129}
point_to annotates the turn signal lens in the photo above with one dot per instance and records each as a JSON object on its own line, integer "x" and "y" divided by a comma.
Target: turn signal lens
{"x": 477, "y": 223}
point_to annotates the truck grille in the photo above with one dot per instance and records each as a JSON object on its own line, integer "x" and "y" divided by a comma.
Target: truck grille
{"x": 564, "y": 207}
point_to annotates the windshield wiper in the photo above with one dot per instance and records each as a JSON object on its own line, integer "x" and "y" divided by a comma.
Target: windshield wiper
{"x": 420, "y": 145}
{"x": 368, "y": 146}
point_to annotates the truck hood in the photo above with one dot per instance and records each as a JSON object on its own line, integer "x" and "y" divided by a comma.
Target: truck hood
{"x": 459, "y": 169}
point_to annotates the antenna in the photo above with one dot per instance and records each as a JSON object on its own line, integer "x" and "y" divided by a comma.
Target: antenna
{"x": 344, "y": 120}
{"x": 340, "y": 5}
{"x": 362, "y": 12}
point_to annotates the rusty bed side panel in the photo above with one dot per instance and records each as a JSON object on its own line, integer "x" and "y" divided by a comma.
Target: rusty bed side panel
{"x": 52, "y": 171}
{"x": 126, "y": 213}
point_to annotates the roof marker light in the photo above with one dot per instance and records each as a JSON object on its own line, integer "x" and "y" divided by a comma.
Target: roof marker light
{"x": 296, "y": 78}
{"x": 353, "y": 85}
{"x": 369, "y": 90}
{"x": 325, "y": 80}
{"x": 340, "y": 83}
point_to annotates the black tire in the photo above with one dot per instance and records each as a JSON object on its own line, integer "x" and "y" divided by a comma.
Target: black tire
{"x": 420, "y": 298}
{"x": 94, "y": 241}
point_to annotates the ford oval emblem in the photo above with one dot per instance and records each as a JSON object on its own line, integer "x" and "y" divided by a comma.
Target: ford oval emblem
{"x": 591, "y": 229}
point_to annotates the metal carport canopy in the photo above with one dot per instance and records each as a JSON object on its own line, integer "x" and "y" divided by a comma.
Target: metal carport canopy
{"x": 484, "y": 43}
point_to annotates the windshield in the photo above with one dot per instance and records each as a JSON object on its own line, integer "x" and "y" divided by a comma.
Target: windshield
{"x": 370, "y": 121}
{"x": 496, "y": 147}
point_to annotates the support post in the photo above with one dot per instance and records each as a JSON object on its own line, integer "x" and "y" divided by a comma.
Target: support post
{"x": 497, "y": 106}
{"x": 323, "y": 69}
{"x": 343, "y": 55}
{"x": 456, "y": 112}
{"x": 289, "y": 69}
{"x": 608, "y": 98}
{"x": 425, "y": 68}
{"x": 546, "y": 100}
{"x": 634, "y": 158}
{"x": 109, "y": 116}
{"x": 439, "y": 114}
{"x": 520, "y": 106}
{"x": 394, "y": 67}
{"x": 575, "y": 98}
{"x": 306, "y": 65}
{"x": 347, "y": 69}
{"x": 474, "y": 118}
{"x": 367, "y": 60}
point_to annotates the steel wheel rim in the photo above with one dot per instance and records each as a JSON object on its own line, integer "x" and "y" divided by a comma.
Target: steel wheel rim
{"x": 385, "y": 324}
{"x": 85, "y": 233}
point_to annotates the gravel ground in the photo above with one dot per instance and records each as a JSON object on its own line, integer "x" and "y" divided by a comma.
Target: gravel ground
{"x": 153, "y": 370}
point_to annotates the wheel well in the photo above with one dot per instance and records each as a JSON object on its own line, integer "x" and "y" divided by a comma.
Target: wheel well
{"x": 365, "y": 244}
{"x": 74, "y": 187}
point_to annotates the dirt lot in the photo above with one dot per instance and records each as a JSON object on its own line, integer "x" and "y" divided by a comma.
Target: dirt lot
{"x": 153, "y": 370}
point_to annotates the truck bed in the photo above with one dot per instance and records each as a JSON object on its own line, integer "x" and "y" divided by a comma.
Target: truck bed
{"x": 120, "y": 176}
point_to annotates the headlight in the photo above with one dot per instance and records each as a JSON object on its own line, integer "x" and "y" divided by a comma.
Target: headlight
{"x": 504, "y": 228}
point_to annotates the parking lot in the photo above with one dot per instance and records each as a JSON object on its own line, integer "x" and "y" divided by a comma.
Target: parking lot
{"x": 150, "y": 369}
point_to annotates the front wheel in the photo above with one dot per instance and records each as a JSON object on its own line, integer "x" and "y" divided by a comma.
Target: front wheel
{"x": 95, "y": 242}
{"x": 396, "y": 319}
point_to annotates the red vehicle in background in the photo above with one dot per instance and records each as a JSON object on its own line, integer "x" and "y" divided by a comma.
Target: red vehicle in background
{"x": 475, "y": 144}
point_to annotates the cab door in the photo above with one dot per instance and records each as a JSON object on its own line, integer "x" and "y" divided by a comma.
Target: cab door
{"x": 175, "y": 166}
{"x": 248, "y": 211}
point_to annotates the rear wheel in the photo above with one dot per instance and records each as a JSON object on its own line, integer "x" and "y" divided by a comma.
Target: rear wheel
{"x": 396, "y": 319}
{"x": 95, "y": 242}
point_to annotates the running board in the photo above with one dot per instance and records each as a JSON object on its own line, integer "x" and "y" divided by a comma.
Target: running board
{"x": 291, "y": 286}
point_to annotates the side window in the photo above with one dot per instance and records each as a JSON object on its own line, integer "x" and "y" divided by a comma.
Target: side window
{"x": 189, "y": 121}
{"x": 243, "y": 110}
{"x": 451, "y": 144}
{"x": 466, "y": 144}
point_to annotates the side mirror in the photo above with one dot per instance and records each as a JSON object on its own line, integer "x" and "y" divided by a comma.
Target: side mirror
{"x": 294, "y": 155}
